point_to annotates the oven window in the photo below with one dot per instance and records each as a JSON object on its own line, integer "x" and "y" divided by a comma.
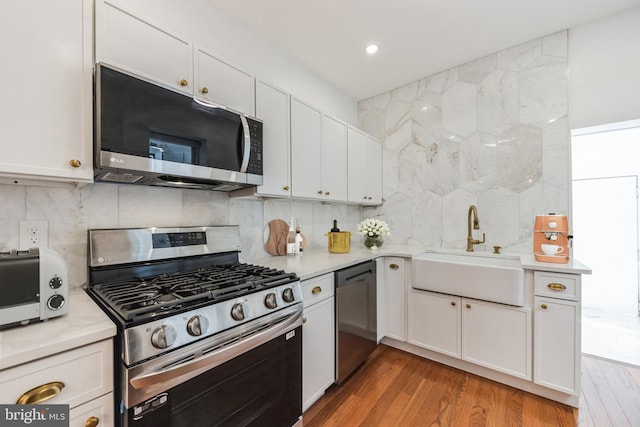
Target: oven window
{"x": 262, "y": 387}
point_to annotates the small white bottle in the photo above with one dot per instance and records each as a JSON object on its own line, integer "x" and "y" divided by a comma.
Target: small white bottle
{"x": 299, "y": 241}
{"x": 291, "y": 239}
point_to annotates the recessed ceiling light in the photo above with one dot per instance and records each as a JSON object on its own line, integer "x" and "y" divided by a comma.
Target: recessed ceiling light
{"x": 372, "y": 48}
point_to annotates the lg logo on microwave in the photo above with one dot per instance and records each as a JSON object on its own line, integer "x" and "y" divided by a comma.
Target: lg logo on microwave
{"x": 116, "y": 160}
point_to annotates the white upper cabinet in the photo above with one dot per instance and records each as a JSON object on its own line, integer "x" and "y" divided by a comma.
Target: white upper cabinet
{"x": 272, "y": 107}
{"x": 364, "y": 168}
{"x": 334, "y": 159}
{"x": 134, "y": 44}
{"x": 128, "y": 42}
{"x": 46, "y": 98}
{"x": 306, "y": 151}
{"x": 221, "y": 83}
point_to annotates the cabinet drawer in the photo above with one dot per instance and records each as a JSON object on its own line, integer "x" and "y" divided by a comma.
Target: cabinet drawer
{"x": 317, "y": 289}
{"x": 100, "y": 408}
{"x": 557, "y": 285}
{"x": 86, "y": 372}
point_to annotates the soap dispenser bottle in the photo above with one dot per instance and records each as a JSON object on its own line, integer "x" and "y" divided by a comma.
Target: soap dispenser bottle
{"x": 291, "y": 239}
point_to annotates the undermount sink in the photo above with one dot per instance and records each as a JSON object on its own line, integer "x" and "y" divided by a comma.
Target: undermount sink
{"x": 486, "y": 277}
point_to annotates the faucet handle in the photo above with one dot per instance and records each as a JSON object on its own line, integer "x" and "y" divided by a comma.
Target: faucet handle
{"x": 482, "y": 241}
{"x": 496, "y": 249}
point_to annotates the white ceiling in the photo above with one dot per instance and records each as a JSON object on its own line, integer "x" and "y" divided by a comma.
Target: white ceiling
{"x": 417, "y": 38}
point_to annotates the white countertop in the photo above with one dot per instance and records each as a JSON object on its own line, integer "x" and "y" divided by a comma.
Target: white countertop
{"x": 84, "y": 324}
{"x": 316, "y": 262}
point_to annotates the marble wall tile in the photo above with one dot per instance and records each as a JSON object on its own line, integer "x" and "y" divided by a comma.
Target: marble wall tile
{"x": 494, "y": 133}
{"x": 520, "y": 157}
{"x": 13, "y": 209}
{"x": 140, "y": 206}
{"x": 204, "y": 208}
{"x": 459, "y": 110}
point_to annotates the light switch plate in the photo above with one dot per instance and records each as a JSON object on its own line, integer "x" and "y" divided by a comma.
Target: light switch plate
{"x": 34, "y": 234}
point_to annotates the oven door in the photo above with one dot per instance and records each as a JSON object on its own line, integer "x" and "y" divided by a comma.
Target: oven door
{"x": 255, "y": 380}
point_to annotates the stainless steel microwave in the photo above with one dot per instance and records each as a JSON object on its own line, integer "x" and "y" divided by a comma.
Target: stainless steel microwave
{"x": 147, "y": 134}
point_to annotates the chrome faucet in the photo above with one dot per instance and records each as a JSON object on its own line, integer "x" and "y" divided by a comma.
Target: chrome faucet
{"x": 473, "y": 212}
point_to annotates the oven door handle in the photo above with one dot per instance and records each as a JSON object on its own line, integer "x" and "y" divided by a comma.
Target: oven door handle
{"x": 195, "y": 367}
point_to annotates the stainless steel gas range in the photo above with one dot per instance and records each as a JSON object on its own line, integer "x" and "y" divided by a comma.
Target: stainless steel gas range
{"x": 203, "y": 340}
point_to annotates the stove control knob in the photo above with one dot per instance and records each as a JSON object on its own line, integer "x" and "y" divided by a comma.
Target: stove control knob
{"x": 164, "y": 336}
{"x": 197, "y": 325}
{"x": 237, "y": 311}
{"x": 270, "y": 300}
{"x": 287, "y": 295}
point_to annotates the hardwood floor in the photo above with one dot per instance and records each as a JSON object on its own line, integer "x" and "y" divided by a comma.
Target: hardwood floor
{"x": 395, "y": 388}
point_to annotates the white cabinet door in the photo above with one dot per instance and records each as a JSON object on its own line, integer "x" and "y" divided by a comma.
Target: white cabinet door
{"x": 306, "y": 152}
{"x": 135, "y": 45}
{"x": 394, "y": 298}
{"x": 334, "y": 159}
{"x": 318, "y": 351}
{"x": 434, "y": 321}
{"x": 557, "y": 344}
{"x": 497, "y": 336}
{"x": 221, "y": 83}
{"x": 272, "y": 107}
{"x": 364, "y": 168}
{"x": 46, "y": 98}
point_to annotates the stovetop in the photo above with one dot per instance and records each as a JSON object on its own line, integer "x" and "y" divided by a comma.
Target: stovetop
{"x": 169, "y": 293}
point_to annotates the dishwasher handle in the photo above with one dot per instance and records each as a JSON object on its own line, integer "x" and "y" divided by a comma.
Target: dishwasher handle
{"x": 355, "y": 273}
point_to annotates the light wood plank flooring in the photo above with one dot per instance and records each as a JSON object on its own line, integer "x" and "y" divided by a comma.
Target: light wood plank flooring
{"x": 395, "y": 388}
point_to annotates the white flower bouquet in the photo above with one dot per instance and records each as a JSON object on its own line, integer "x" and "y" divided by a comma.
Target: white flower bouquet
{"x": 373, "y": 229}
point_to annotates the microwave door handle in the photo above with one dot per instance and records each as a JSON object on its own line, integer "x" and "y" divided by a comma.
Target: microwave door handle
{"x": 246, "y": 152}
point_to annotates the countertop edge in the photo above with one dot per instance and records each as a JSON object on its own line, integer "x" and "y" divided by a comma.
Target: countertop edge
{"x": 85, "y": 323}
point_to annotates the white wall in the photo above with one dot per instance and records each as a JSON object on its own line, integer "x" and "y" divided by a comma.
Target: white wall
{"x": 604, "y": 70}
{"x": 215, "y": 30}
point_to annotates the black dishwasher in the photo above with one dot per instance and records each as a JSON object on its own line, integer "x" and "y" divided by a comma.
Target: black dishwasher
{"x": 356, "y": 318}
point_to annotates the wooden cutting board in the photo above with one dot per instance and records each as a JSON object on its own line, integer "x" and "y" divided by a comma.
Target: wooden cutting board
{"x": 276, "y": 244}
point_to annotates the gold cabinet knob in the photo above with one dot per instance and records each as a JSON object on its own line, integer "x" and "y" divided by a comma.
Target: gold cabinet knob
{"x": 204, "y": 90}
{"x": 394, "y": 266}
{"x": 184, "y": 82}
{"x": 319, "y": 191}
{"x": 365, "y": 197}
{"x": 453, "y": 303}
{"x": 468, "y": 306}
{"x": 41, "y": 393}
{"x": 369, "y": 198}
{"x": 92, "y": 422}
{"x": 75, "y": 163}
{"x": 543, "y": 306}
{"x": 316, "y": 290}
{"x": 285, "y": 188}
{"x": 304, "y": 320}
{"x": 326, "y": 193}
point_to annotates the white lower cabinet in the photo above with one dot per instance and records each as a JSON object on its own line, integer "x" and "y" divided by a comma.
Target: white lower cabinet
{"x": 493, "y": 335}
{"x": 557, "y": 331}
{"x": 318, "y": 338}
{"x": 392, "y": 317}
{"x": 81, "y": 378}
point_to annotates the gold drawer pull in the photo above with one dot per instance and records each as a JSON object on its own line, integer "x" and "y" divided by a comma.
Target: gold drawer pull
{"x": 316, "y": 290}
{"x": 543, "y": 306}
{"x": 75, "y": 163}
{"x": 394, "y": 266}
{"x": 557, "y": 287}
{"x": 41, "y": 393}
{"x": 184, "y": 82}
{"x": 468, "y": 306}
{"x": 92, "y": 422}
{"x": 285, "y": 188}
{"x": 204, "y": 90}
{"x": 453, "y": 303}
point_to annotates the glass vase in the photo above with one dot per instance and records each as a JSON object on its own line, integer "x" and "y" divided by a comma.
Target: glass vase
{"x": 373, "y": 242}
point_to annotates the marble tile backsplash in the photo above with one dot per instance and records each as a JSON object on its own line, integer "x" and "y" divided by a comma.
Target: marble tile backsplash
{"x": 492, "y": 132}
{"x": 70, "y": 212}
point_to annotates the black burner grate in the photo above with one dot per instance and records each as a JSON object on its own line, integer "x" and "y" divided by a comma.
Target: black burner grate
{"x": 149, "y": 296}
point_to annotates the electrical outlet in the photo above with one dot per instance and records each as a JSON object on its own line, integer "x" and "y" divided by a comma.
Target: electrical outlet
{"x": 34, "y": 234}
